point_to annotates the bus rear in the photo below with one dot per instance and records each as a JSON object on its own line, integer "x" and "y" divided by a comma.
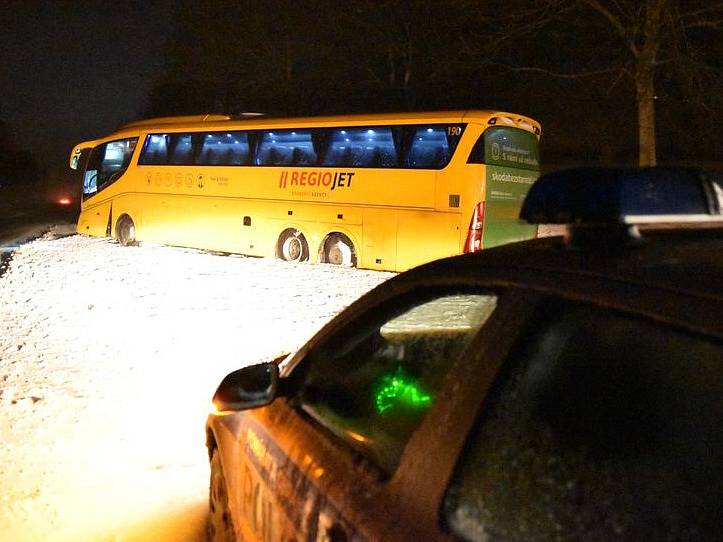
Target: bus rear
{"x": 508, "y": 152}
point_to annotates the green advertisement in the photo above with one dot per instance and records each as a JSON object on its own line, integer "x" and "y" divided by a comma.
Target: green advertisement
{"x": 511, "y": 147}
{"x": 506, "y": 190}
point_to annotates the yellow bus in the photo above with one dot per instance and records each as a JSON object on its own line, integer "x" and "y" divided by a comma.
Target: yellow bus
{"x": 382, "y": 191}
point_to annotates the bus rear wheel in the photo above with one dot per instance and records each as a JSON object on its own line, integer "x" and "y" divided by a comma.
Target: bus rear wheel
{"x": 292, "y": 246}
{"x": 339, "y": 250}
{"x": 125, "y": 231}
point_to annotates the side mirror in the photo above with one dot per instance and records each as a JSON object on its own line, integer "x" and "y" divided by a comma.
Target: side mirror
{"x": 250, "y": 387}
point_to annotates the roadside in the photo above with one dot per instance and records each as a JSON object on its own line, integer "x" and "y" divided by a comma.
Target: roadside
{"x": 16, "y": 232}
{"x": 24, "y": 217}
{"x": 109, "y": 356}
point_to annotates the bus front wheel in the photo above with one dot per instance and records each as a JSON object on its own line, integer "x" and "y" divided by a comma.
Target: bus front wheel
{"x": 125, "y": 231}
{"x": 339, "y": 250}
{"x": 292, "y": 246}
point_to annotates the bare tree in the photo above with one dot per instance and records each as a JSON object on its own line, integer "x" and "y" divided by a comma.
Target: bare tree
{"x": 617, "y": 40}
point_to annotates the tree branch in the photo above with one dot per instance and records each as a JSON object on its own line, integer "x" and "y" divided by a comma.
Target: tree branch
{"x": 616, "y": 24}
{"x": 578, "y": 75}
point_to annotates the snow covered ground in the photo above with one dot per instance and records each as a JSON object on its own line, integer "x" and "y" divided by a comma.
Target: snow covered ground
{"x": 108, "y": 360}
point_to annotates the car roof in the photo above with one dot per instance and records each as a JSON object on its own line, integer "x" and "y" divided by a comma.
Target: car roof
{"x": 680, "y": 263}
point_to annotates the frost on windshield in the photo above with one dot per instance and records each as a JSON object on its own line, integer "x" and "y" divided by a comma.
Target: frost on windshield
{"x": 603, "y": 427}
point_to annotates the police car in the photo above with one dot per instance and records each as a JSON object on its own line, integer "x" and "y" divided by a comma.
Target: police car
{"x": 560, "y": 388}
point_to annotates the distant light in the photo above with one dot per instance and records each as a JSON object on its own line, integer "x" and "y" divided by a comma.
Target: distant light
{"x": 370, "y": 131}
{"x": 64, "y": 201}
{"x": 293, "y": 133}
{"x": 429, "y": 130}
{"x": 271, "y": 134}
{"x": 419, "y": 139}
{"x": 346, "y": 139}
{"x": 229, "y": 135}
{"x": 343, "y": 132}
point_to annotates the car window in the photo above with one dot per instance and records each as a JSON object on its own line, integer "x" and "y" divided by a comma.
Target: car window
{"x": 372, "y": 386}
{"x": 601, "y": 426}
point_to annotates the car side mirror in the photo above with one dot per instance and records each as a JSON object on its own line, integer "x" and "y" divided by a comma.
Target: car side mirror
{"x": 250, "y": 387}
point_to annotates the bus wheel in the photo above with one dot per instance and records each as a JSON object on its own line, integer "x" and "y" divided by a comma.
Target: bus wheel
{"x": 339, "y": 250}
{"x": 125, "y": 231}
{"x": 292, "y": 246}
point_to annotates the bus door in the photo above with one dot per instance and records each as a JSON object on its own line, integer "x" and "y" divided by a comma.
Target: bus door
{"x": 95, "y": 215}
{"x": 106, "y": 164}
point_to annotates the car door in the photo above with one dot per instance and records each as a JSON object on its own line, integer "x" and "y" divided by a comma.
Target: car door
{"x": 335, "y": 460}
{"x": 603, "y": 424}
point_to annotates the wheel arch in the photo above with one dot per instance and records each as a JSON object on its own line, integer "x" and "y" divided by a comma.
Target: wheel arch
{"x": 117, "y": 221}
{"x": 355, "y": 244}
{"x": 292, "y": 229}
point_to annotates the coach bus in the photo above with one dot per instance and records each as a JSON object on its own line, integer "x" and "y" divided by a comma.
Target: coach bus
{"x": 384, "y": 191}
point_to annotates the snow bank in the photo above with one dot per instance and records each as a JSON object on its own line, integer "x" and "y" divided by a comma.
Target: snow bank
{"x": 108, "y": 360}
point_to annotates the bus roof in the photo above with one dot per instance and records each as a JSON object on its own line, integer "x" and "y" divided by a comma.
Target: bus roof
{"x": 255, "y": 121}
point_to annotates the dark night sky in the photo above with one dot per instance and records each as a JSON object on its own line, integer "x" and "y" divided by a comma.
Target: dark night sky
{"x": 75, "y": 70}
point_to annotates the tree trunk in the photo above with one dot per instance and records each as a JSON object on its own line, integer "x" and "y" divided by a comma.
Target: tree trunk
{"x": 645, "y": 91}
{"x": 646, "y": 58}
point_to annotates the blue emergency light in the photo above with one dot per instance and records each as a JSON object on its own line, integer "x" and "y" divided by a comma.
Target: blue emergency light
{"x": 617, "y": 199}
{"x": 630, "y": 196}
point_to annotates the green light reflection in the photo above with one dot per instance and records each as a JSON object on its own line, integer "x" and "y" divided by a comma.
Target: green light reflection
{"x": 399, "y": 389}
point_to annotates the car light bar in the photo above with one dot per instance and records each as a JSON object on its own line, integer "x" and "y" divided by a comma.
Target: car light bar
{"x": 599, "y": 196}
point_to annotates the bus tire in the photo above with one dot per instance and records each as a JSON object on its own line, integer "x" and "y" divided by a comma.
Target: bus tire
{"x": 339, "y": 250}
{"x": 125, "y": 231}
{"x": 292, "y": 246}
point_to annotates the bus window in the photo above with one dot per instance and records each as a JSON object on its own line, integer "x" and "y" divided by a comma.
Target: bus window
{"x": 180, "y": 149}
{"x": 429, "y": 148}
{"x": 106, "y": 164}
{"x": 362, "y": 147}
{"x": 155, "y": 151}
{"x": 285, "y": 148}
{"x": 224, "y": 149}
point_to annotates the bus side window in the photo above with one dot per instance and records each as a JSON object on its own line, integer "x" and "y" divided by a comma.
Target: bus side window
{"x": 362, "y": 147}
{"x": 429, "y": 148}
{"x": 224, "y": 149}
{"x": 155, "y": 151}
{"x": 285, "y": 148}
{"x": 240, "y": 150}
{"x": 209, "y": 152}
{"x": 180, "y": 149}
